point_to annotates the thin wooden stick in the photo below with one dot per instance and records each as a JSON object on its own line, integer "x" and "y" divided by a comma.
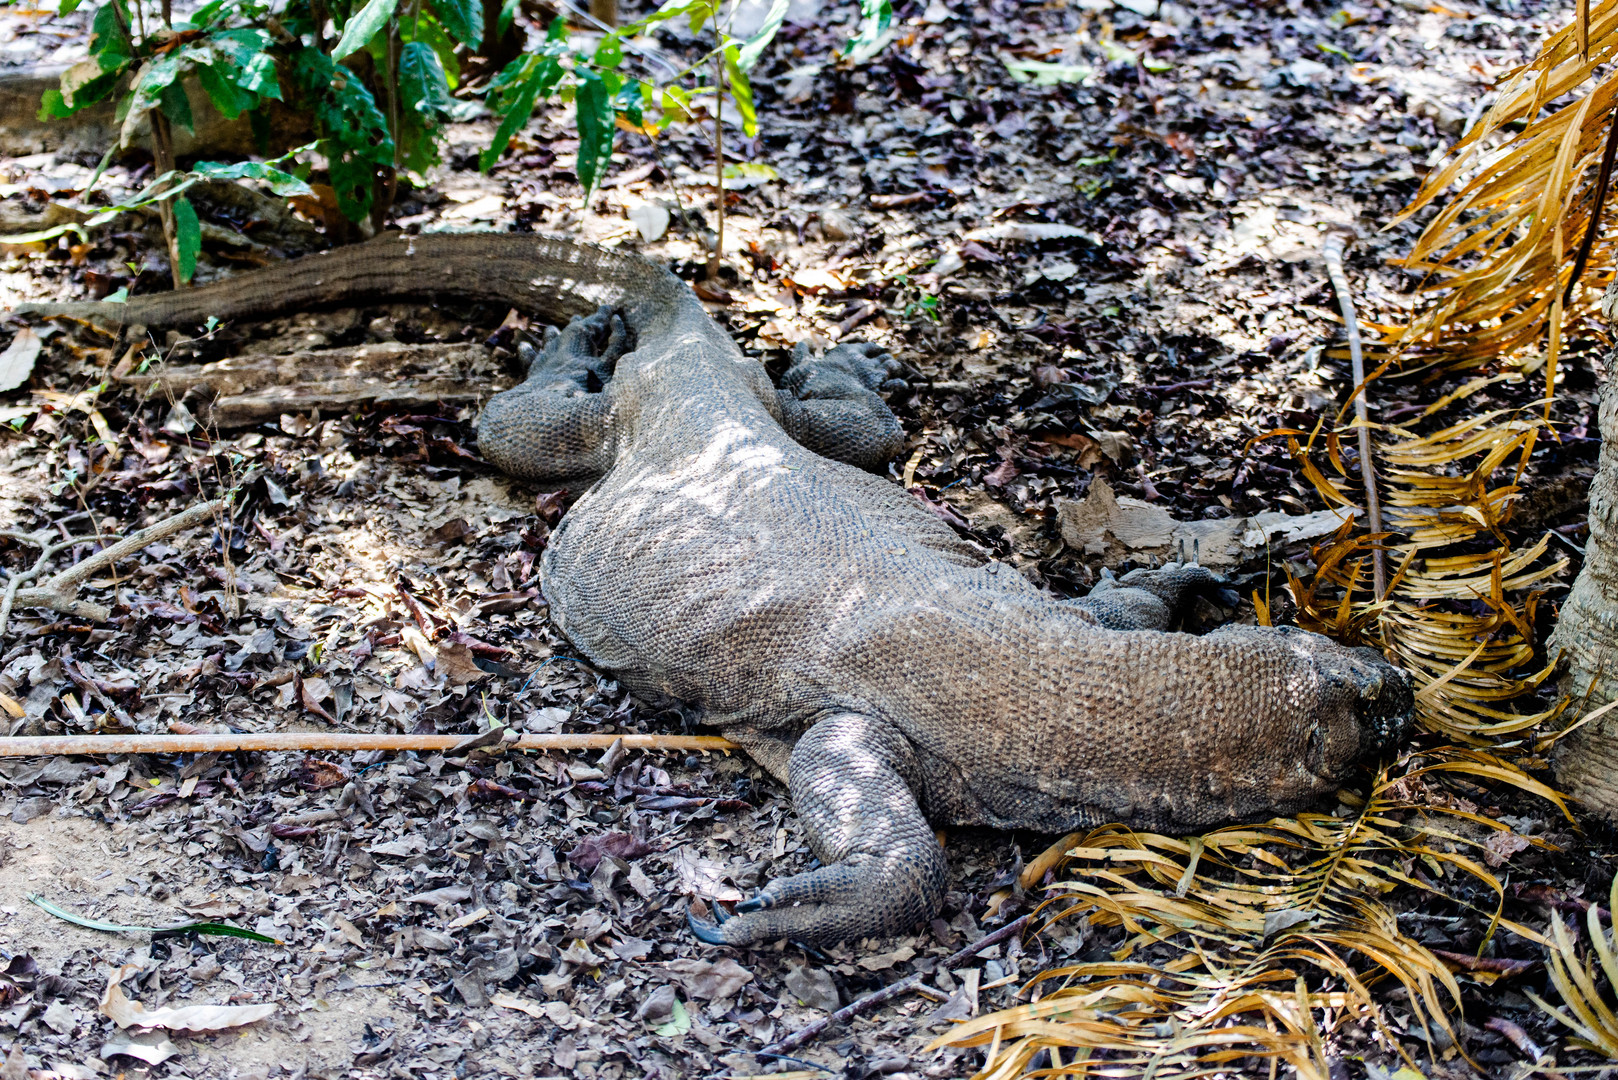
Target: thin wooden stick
{"x": 1332, "y": 252}
{"x": 341, "y": 742}
{"x": 889, "y": 992}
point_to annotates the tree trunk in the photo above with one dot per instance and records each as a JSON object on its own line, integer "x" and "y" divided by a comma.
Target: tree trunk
{"x": 1587, "y": 760}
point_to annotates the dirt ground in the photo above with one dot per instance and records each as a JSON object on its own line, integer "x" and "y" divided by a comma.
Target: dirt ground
{"x": 486, "y": 915}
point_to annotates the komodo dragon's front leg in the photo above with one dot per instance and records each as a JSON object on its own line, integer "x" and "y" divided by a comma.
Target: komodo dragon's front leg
{"x": 1152, "y": 599}
{"x": 854, "y": 782}
{"x": 557, "y": 424}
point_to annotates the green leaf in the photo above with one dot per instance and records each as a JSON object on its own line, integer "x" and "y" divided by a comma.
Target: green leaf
{"x": 424, "y": 92}
{"x": 187, "y": 236}
{"x": 513, "y": 93}
{"x": 52, "y": 106}
{"x": 176, "y": 105}
{"x": 699, "y": 10}
{"x": 508, "y": 13}
{"x": 109, "y": 44}
{"x": 678, "y": 1024}
{"x": 230, "y": 99}
{"x": 593, "y": 108}
{"x": 67, "y": 7}
{"x": 1040, "y": 73}
{"x": 47, "y": 234}
{"x": 741, "y": 92}
{"x": 749, "y": 174}
{"x": 628, "y": 100}
{"x": 876, "y": 19}
{"x": 363, "y": 27}
{"x": 280, "y": 182}
{"x": 610, "y": 53}
{"x": 151, "y": 90}
{"x": 247, "y": 60}
{"x": 754, "y": 47}
{"x": 216, "y": 929}
{"x": 463, "y": 19}
{"x": 429, "y": 30}
{"x": 422, "y": 86}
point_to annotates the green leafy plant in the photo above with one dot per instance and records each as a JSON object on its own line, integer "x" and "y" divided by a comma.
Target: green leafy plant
{"x": 377, "y": 97}
{"x": 607, "y": 96}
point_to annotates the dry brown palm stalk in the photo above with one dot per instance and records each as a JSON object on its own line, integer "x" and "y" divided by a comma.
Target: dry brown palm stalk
{"x": 1499, "y": 254}
{"x": 1255, "y": 943}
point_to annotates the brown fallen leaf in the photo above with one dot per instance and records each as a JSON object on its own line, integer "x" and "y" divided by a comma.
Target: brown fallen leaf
{"x": 707, "y": 979}
{"x": 15, "y": 1067}
{"x": 313, "y": 774}
{"x": 118, "y": 1008}
{"x": 512, "y": 1001}
{"x": 1499, "y": 848}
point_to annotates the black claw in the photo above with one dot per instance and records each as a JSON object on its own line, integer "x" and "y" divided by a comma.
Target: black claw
{"x": 703, "y": 929}
{"x": 721, "y": 916}
{"x": 761, "y": 902}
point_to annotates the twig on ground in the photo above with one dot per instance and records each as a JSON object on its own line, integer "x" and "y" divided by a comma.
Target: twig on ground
{"x": 1332, "y": 252}
{"x": 1519, "y": 1038}
{"x": 60, "y": 591}
{"x": 42, "y": 745}
{"x": 892, "y": 990}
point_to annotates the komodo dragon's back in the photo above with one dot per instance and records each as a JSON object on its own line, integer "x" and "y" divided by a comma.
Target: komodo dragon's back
{"x": 734, "y": 552}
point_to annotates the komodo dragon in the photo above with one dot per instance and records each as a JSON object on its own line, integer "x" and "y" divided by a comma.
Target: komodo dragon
{"x": 733, "y": 554}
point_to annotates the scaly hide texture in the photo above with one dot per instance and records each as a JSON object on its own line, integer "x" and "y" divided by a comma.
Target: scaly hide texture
{"x": 734, "y": 554}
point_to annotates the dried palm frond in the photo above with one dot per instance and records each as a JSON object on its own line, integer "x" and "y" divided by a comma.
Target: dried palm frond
{"x": 1589, "y": 1015}
{"x": 1246, "y": 943}
{"x": 1501, "y": 251}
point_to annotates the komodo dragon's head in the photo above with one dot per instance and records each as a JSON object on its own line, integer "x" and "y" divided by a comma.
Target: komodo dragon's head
{"x": 1365, "y": 704}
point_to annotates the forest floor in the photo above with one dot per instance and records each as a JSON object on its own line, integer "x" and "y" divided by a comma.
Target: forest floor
{"x": 524, "y": 915}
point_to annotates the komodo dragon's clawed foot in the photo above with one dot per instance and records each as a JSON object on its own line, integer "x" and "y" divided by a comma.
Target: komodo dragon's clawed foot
{"x": 1154, "y": 599}
{"x": 830, "y": 404}
{"x": 581, "y": 356}
{"x": 853, "y": 783}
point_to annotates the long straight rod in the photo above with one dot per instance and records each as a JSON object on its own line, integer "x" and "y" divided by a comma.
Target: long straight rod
{"x": 1333, "y": 252}
{"x": 41, "y": 745}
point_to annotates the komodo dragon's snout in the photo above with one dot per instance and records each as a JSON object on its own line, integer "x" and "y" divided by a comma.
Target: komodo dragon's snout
{"x": 738, "y": 549}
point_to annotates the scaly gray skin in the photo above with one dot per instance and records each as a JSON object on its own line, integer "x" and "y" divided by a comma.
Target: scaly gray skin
{"x": 822, "y": 618}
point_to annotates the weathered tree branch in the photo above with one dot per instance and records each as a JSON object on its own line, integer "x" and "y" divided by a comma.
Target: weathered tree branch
{"x": 60, "y": 591}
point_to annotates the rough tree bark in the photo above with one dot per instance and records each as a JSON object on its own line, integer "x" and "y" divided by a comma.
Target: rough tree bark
{"x": 1587, "y": 760}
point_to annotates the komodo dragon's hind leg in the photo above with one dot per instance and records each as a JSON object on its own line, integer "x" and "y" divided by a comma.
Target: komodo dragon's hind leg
{"x": 831, "y": 404}
{"x": 555, "y": 425}
{"x": 1152, "y": 599}
{"x": 853, "y": 783}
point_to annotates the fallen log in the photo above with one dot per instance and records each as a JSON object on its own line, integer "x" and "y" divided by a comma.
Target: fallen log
{"x": 1119, "y": 528}
{"x": 248, "y": 389}
{"x": 91, "y": 130}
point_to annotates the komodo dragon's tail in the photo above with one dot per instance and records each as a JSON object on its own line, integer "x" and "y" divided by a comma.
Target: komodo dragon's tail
{"x": 550, "y": 276}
